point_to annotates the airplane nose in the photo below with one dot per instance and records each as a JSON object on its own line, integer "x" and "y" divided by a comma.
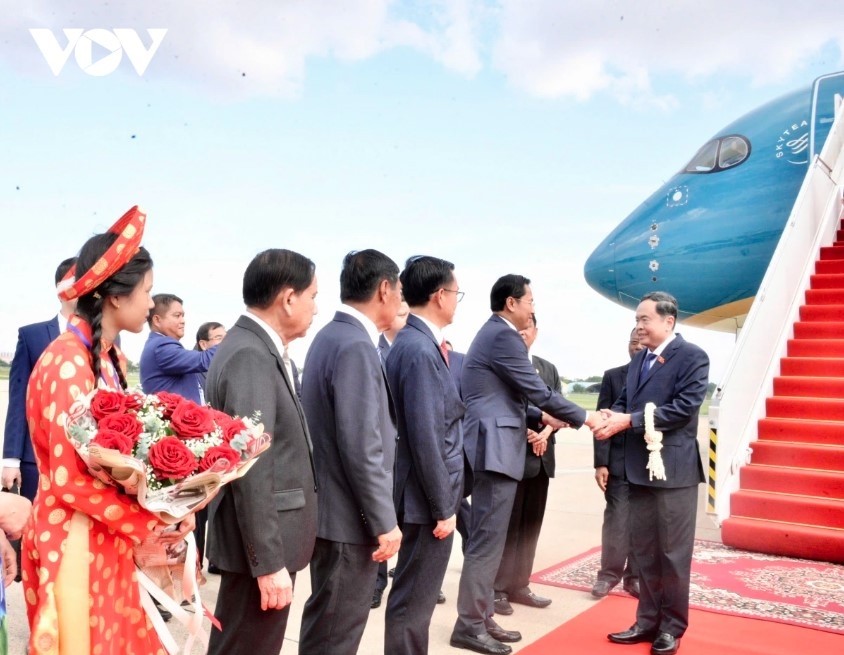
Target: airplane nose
{"x": 599, "y": 271}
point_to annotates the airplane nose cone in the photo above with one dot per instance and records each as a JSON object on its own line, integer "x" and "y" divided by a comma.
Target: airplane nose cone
{"x": 599, "y": 271}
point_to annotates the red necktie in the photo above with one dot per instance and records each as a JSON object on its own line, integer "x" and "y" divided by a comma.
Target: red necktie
{"x": 444, "y": 351}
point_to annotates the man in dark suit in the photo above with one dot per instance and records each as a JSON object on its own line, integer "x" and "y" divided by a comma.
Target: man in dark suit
{"x": 669, "y": 379}
{"x": 19, "y": 467}
{"x": 617, "y": 562}
{"x": 263, "y": 526}
{"x": 511, "y": 582}
{"x": 429, "y": 453}
{"x": 498, "y": 382}
{"x": 351, "y": 417}
{"x": 385, "y": 342}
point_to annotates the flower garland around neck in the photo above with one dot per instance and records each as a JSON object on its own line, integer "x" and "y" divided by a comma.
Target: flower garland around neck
{"x": 653, "y": 437}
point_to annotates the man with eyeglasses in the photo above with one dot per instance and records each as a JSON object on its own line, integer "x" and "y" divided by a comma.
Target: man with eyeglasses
{"x": 499, "y": 381}
{"x": 429, "y": 452}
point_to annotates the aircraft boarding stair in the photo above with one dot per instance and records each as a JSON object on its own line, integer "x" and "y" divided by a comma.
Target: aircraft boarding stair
{"x": 776, "y": 474}
{"x": 791, "y": 496}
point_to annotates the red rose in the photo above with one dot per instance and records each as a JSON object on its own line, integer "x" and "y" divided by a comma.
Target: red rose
{"x": 219, "y": 417}
{"x": 231, "y": 427}
{"x": 126, "y": 424}
{"x": 168, "y": 402}
{"x": 107, "y": 402}
{"x": 134, "y": 401}
{"x": 191, "y": 421}
{"x": 115, "y": 440}
{"x": 170, "y": 458}
{"x": 221, "y": 459}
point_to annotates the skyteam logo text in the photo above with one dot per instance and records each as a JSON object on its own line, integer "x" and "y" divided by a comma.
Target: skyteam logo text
{"x": 97, "y": 52}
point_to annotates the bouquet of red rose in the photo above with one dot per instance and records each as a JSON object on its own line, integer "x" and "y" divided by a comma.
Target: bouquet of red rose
{"x": 170, "y": 452}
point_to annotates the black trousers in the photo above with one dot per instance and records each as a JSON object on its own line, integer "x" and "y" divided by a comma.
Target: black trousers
{"x": 617, "y": 562}
{"x": 246, "y": 628}
{"x": 663, "y": 529}
{"x": 342, "y": 584}
{"x": 522, "y": 534}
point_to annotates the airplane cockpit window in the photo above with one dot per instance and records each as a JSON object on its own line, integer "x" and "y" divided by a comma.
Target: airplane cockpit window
{"x": 734, "y": 150}
{"x": 719, "y": 154}
{"x": 704, "y": 160}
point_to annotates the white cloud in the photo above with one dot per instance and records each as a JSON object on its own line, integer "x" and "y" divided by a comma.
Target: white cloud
{"x": 546, "y": 48}
{"x": 555, "y": 49}
{"x": 254, "y": 47}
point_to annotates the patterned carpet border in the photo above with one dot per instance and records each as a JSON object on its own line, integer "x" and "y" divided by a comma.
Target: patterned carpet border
{"x": 740, "y": 583}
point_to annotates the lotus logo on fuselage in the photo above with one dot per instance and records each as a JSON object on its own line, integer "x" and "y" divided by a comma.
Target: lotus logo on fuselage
{"x": 793, "y": 144}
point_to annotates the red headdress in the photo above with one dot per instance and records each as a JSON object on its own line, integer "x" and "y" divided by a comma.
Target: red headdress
{"x": 129, "y": 230}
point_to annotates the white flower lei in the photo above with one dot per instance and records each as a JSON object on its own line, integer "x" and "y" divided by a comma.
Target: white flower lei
{"x": 653, "y": 437}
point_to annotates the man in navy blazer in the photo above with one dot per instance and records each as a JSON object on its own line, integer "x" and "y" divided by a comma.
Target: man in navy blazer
{"x": 351, "y": 419}
{"x": 19, "y": 466}
{"x": 498, "y": 382}
{"x": 617, "y": 562}
{"x": 429, "y": 453}
{"x": 166, "y": 365}
{"x": 672, "y": 374}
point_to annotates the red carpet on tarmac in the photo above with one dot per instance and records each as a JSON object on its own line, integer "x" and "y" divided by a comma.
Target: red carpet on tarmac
{"x": 739, "y": 583}
{"x": 709, "y": 634}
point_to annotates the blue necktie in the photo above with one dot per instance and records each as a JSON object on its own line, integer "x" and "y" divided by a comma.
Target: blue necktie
{"x": 647, "y": 364}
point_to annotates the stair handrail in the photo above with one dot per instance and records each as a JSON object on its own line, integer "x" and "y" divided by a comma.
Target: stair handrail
{"x": 739, "y": 400}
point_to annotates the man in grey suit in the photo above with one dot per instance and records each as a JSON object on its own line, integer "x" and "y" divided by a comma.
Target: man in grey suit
{"x": 429, "y": 457}
{"x": 511, "y": 582}
{"x": 351, "y": 417}
{"x": 263, "y": 526}
{"x": 672, "y": 374}
{"x": 498, "y": 383}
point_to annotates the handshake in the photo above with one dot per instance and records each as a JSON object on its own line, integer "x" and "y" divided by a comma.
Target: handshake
{"x": 604, "y": 423}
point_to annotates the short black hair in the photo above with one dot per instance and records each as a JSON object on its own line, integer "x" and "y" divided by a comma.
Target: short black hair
{"x": 666, "y": 304}
{"x": 363, "y": 271}
{"x": 162, "y": 304}
{"x": 422, "y": 276}
{"x": 63, "y": 268}
{"x": 204, "y": 332}
{"x": 507, "y": 286}
{"x": 271, "y": 271}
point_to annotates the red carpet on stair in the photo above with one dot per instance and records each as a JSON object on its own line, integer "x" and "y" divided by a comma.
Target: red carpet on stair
{"x": 708, "y": 634}
{"x": 740, "y": 583}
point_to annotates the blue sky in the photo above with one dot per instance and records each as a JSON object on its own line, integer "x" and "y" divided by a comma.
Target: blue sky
{"x": 506, "y": 136}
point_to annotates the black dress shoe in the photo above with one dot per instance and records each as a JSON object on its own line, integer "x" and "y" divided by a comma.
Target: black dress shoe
{"x": 601, "y": 588}
{"x": 530, "y": 599}
{"x": 441, "y": 598}
{"x": 634, "y": 635}
{"x": 631, "y": 586}
{"x": 505, "y": 636}
{"x": 376, "y": 599}
{"x": 502, "y": 605}
{"x": 482, "y": 643}
{"x": 665, "y": 644}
